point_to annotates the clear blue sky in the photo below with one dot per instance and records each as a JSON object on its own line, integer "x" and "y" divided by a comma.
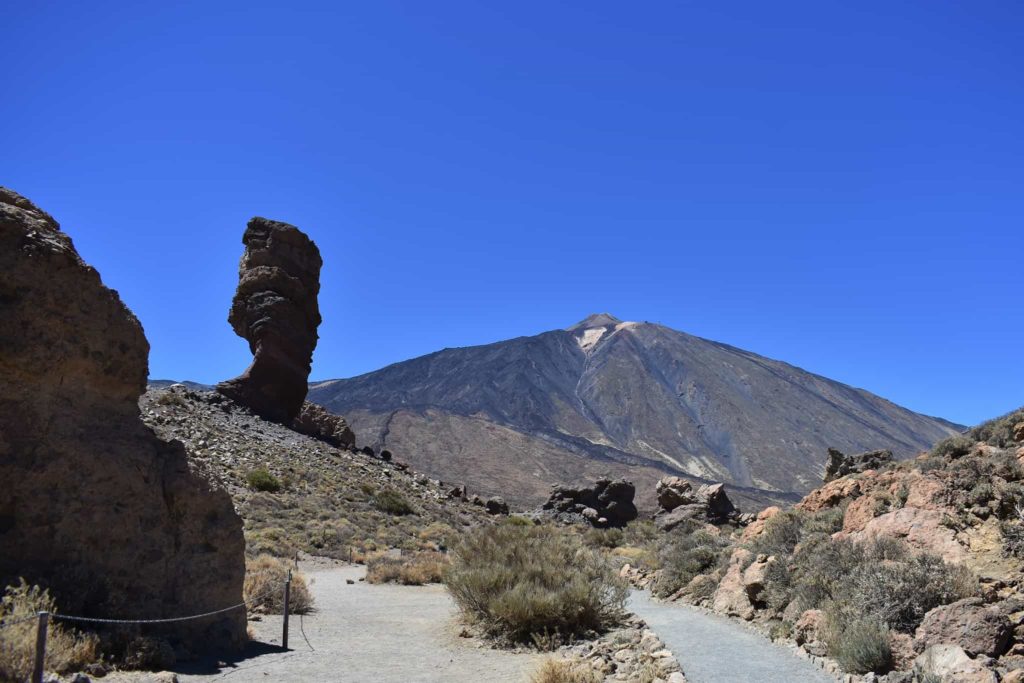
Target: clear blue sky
{"x": 837, "y": 185}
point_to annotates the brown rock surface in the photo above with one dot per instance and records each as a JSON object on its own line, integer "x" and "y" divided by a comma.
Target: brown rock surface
{"x": 950, "y": 664}
{"x": 93, "y": 504}
{"x": 731, "y": 597}
{"x": 275, "y": 309}
{"x": 979, "y": 630}
{"x": 314, "y": 420}
{"x": 921, "y": 529}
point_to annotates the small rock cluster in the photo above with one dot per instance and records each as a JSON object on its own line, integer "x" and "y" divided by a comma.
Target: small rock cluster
{"x": 708, "y": 504}
{"x": 315, "y": 420}
{"x": 632, "y": 653}
{"x": 608, "y": 503}
{"x": 840, "y": 465}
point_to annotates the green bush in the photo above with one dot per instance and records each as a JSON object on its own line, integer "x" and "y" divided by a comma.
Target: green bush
{"x": 533, "y": 584}
{"x": 686, "y": 554}
{"x": 260, "y": 479}
{"x": 998, "y": 432}
{"x": 392, "y": 502}
{"x": 953, "y": 447}
{"x": 603, "y": 538}
{"x": 859, "y": 645}
{"x": 781, "y": 534}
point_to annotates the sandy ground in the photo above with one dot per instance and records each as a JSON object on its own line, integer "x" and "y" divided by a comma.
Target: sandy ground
{"x": 362, "y": 633}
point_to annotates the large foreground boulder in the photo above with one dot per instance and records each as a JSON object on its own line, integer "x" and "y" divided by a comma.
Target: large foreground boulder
{"x": 93, "y": 504}
{"x": 608, "y": 503}
{"x": 275, "y": 309}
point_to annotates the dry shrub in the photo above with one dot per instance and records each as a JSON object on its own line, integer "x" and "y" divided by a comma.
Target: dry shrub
{"x": 522, "y": 584}
{"x": 575, "y": 670}
{"x": 414, "y": 569}
{"x": 860, "y": 644}
{"x": 66, "y": 649}
{"x": 264, "y": 587}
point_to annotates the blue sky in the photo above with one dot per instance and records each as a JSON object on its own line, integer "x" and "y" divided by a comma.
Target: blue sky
{"x": 837, "y": 185}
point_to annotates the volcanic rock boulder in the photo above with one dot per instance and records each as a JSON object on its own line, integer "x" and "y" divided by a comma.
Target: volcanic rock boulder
{"x": 708, "y": 504}
{"x": 316, "y": 421}
{"x": 839, "y": 464}
{"x": 607, "y": 503}
{"x": 275, "y": 309}
{"x": 93, "y": 504}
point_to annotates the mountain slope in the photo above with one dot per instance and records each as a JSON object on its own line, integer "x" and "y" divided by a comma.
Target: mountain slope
{"x": 618, "y": 397}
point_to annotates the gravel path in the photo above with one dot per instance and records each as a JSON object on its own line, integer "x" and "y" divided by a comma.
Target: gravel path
{"x": 361, "y": 632}
{"x": 714, "y": 649}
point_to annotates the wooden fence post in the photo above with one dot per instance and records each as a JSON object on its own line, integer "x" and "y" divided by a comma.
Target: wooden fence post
{"x": 37, "y": 672}
{"x": 287, "y": 594}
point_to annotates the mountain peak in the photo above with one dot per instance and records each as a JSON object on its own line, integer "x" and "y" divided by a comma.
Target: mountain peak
{"x": 595, "y": 320}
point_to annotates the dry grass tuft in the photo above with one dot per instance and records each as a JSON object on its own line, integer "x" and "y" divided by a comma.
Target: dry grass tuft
{"x": 575, "y": 670}
{"x": 414, "y": 569}
{"x": 66, "y": 649}
{"x": 534, "y": 584}
{"x": 266, "y": 574}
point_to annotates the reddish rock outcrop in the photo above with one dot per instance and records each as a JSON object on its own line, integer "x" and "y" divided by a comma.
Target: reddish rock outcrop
{"x": 275, "y": 309}
{"x": 978, "y": 629}
{"x": 93, "y": 504}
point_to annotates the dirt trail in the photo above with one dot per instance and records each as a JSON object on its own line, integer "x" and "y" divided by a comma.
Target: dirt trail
{"x": 362, "y": 632}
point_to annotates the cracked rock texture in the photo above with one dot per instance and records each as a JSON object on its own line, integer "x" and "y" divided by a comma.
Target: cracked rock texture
{"x": 275, "y": 309}
{"x": 93, "y": 504}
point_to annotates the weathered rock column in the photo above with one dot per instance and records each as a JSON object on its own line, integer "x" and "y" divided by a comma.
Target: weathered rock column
{"x": 92, "y": 504}
{"x": 275, "y": 309}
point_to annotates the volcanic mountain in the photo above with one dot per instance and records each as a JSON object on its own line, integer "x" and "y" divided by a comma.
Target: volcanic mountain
{"x": 618, "y": 398}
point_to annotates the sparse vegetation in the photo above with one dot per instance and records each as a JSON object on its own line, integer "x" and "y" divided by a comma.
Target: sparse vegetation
{"x": 66, "y": 649}
{"x": 264, "y": 587}
{"x": 860, "y": 644}
{"x": 392, "y": 502}
{"x": 260, "y": 479}
{"x": 521, "y": 584}
{"x": 572, "y": 670}
{"x": 414, "y": 569}
{"x": 685, "y": 554}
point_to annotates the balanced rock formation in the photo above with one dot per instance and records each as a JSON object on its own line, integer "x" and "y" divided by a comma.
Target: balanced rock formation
{"x": 275, "y": 309}
{"x": 840, "y": 464}
{"x": 315, "y": 420}
{"x": 94, "y": 505}
{"x": 608, "y": 503}
{"x": 708, "y": 504}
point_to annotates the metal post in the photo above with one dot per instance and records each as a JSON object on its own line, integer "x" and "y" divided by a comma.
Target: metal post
{"x": 37, "y": 672}
{"x": 287, "y": 593}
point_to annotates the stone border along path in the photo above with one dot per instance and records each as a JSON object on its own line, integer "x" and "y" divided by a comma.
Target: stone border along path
{"x": 715, "y": 649}
{"x": 362, "y": 633}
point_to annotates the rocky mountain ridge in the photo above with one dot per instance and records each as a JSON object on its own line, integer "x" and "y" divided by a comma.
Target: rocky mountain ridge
{"x": 607, "y": 397}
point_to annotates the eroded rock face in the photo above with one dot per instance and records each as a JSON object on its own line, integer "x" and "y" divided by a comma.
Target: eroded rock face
{"x": 93, "y": 504}
{"x": 275, "y": 309}
{"x": 314, "y": 420}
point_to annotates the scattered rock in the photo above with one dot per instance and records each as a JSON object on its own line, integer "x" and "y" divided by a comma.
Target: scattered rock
{"x": 496, "y": 506}
{"x": 673, "y": 492}
{"x": 99, "y": 509}
{"x": 708, "y": 504}
{"x": 840, "y": 465}
{"x": 275, "y": 309}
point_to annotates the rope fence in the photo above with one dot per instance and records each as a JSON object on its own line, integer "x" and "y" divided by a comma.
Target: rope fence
{"x": 43, "y": 619}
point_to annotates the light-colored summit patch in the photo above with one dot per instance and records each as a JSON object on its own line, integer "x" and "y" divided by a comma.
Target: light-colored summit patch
{"x": 625, "y": 326}
{"x": 589, "y": 338}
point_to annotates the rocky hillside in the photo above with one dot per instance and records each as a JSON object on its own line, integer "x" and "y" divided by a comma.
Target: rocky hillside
{"x": 626, "y": 399}
{"x": 903, "y": 571}
{"x": 296, "y": 493}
